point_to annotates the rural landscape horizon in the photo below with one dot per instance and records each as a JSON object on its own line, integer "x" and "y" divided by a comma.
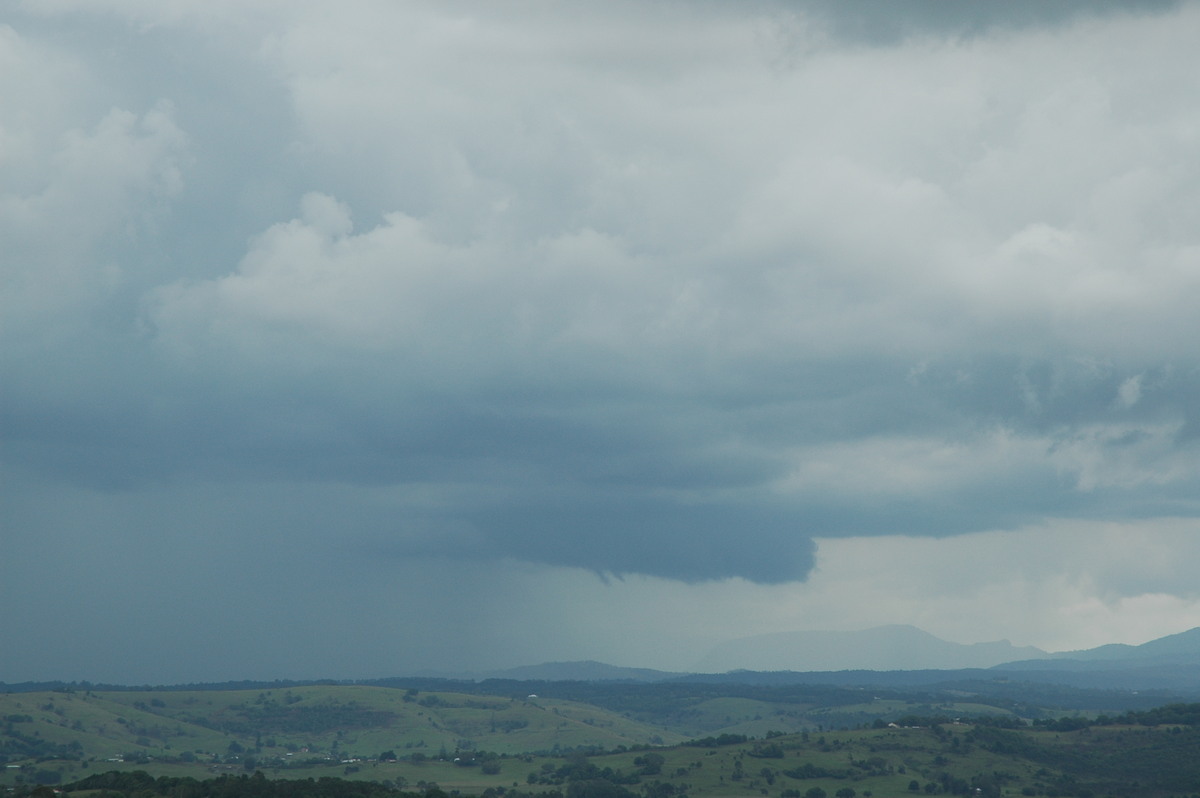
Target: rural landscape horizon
{"x": 1117, "y": 720}
{"x": 885, "y": 648}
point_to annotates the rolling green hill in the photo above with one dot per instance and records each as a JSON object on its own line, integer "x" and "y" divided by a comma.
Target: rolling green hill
{"x": 301, "y": 723}
{"x": 497, "y": 745}
{"x": 946, "y": 759}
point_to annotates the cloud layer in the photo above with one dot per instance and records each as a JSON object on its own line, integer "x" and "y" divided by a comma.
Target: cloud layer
{"x": 670, "y": 291}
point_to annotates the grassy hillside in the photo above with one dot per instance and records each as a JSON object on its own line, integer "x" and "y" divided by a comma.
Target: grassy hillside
{"x": 511, "y": 745}
{"x": 950, "y": 759}
{"x": 318, "y": 726}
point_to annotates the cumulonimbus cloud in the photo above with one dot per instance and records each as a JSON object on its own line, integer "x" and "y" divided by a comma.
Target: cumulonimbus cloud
{"x": 672, "y": 311}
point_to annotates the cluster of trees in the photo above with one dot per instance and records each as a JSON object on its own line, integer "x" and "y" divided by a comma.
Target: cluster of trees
{"x": 1116, "y": 760}
{"x": 1167, "y": 715}
{"x": 766, "y": 751}
{"x": 138, "y": 783}
{"x": 719, "y": 740}
{"x": 980, "y": 785}
{"x": 17, "y": 745}
{"x": 817, "y": 792}
{"x": 577, "y": 769}
{"x": 583, "y": 779}
{"x": 275, "y": 718}
{"x": 810, "y": 771}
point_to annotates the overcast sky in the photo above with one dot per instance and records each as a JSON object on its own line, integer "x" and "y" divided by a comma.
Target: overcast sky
{"x": 351, "y": 339}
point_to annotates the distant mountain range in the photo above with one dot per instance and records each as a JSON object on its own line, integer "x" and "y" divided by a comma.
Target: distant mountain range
{"x": 907, "y": 656}
{"x": 583, "y": 671}
{"x": 884, "y": 648}
{"x": 1178, "y": 649}
{"x": 1168, "y": 663}
{"x": 898, "y": 657}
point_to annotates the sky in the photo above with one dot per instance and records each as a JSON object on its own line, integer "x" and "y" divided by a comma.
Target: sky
{"x": 359, "y": 339}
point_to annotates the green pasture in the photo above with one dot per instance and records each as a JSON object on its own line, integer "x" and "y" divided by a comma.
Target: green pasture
{"x": 778, "y": 750}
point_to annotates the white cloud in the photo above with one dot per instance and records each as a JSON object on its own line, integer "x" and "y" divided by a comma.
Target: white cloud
{"x": 927, "y": 198}
{"x": 81, "y": 185}
{"x": 1130, "y": 391}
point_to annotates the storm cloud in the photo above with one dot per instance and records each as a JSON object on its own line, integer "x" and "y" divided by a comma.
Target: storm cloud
{"x": 670, "y": 290}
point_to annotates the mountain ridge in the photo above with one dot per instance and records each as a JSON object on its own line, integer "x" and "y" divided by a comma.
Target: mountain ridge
{"x": 1181, "y": 649}
{"x": 889, "y": 647}
{"x": 1172, "y": 661}
{"x": 1169, "y": 662}
{"x": 875, "y": 649}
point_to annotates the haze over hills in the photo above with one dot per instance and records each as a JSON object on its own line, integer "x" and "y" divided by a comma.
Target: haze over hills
{"x": 1181, "y": 649}
{"x": 586, "y": 670}
{"x": 883, "y": 648}
{"x": 907, "y": 655}
{"x": 888, "y": 655}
